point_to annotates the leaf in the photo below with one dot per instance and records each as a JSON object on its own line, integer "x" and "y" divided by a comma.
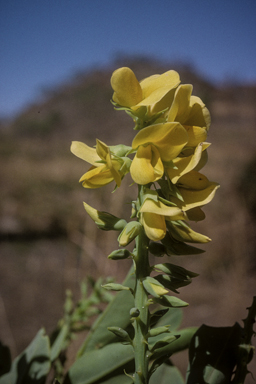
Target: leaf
{"x": 120, "y": 306}
{"x": 94, "y": 365}
{"x": 59, "y": 343}
{"x": 184, "y": 337}
{"x": 213, "y": 354}
{"x": 167, "y": 374}
{"x": 33, "y": 365}
{"x": 172, "y": 317}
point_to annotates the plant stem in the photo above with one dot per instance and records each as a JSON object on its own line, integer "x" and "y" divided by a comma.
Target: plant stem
{"x": 141, "y": 323}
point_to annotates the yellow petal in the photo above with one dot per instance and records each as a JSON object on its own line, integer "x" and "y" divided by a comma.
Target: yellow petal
{"x": 114, "y": 166}
{"x": 168, "y": 138}
{"x": 127, "y": 89}
{"x": 146, "y": 166}
{"x": 195, "y": 214}
{"x": 194, "y": 198}
{"x": 184, "y": 165}
{"x": 96, "y": 177}
{"x": 180, "y": 107}
{"x": 193, "y": 180}
{"x": 102, "y": 149}
{"x": 199, "y": 114}
{"x": 157, "y": 207}
{"x": 186, "y": 234}
{"x": 155, "y": 87}
{"x": 154, "y": 226}
{"x": 196, "y": 135}
{"x": 84, "y": 152}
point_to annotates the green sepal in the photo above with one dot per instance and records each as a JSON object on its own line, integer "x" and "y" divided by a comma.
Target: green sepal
{"x": 158, "y": 331}
{"x": 120, "y": 150}
{"x": 121, "y": 333}
{"x": 170, "y": 301}
{"x": 153, "y": 287}
{"x": 119, "y": 254}
{"x": 116, "y": 287}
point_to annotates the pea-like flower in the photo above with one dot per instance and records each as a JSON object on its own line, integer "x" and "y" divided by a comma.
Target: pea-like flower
{"x": 153, "y": 92}
{"x": 106, "y": 167}
{"x": 154, "y": 215}
{"x": 156, "y": 144}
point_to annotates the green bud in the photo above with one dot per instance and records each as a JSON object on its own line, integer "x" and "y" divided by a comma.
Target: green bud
{"x": 119, "y": 332}
{"x": 134, "y": 312}
{"x": 119, "y": 254}
{"x": 115, "y": 287}
{"x": 158, "y": 331}
{"x": 130, "y": 231}
{"x": 119, "y": 150}
{"x": 153, "y": 287}
{"x": 104, "y": 220}
{"x": 170, "y": 301}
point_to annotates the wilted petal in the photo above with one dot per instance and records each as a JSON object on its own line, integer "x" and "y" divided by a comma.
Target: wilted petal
{"x": 102, "y": 149}
{"x": 114, "y": 166}
{"x": 84, "y": 152}
{"x": 127, "y": 89}
{"x": 146, "y": 166}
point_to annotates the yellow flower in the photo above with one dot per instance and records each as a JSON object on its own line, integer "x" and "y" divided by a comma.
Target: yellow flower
{"x": 153, "y": 216}
{"x": 155, "y": 145}
{"x": 154, "y": 91}
{"x": 104, "y": 168}
{"x": 191, "y": 112}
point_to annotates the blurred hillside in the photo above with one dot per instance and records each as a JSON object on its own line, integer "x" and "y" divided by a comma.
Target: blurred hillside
{"x": 48, "y": 243}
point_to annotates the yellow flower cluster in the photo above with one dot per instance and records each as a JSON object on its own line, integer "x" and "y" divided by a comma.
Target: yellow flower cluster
{"x": 170, "y": 149}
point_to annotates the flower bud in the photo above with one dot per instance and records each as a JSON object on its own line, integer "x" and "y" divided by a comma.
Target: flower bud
{"x": 130, "y": 231}
{"x": 105, "y": 220}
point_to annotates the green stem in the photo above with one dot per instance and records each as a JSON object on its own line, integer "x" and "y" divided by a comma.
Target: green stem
{"x": 141, "y": 323}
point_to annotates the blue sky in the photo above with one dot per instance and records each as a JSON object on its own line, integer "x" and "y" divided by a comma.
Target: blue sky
{"x": 44, "y": 42}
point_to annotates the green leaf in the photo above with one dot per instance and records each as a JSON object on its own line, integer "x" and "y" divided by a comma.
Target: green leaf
{"x": 33, "y": 365}
{"x": 167, "y": 374}
{"x": 97, "y": 364}
{"x": 119, "y": 379}
{"x": 213, "y": 354}
{"x": 184, "y": 337}
{"x": 120, "y": 306}
{"x": 172, "y": 317}
{"x": 59, "y": 343}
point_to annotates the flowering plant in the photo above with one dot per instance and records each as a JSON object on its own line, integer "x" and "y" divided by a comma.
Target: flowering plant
{"x": 132, "y": 340}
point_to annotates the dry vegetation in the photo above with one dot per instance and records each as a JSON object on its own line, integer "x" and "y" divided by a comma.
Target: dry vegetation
{"x": 48, "y": 244}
